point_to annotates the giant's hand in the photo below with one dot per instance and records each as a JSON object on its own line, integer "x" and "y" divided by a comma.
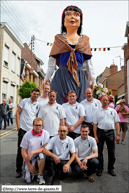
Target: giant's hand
{"x": 94, "y": 84}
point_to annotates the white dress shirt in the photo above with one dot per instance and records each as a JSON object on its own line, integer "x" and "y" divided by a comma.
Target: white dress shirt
{"x": 90, "y": 108}
{"x": 106, "y": 118}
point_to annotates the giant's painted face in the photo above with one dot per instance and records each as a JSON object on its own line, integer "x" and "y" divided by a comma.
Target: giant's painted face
{"x": 72, "y": 19}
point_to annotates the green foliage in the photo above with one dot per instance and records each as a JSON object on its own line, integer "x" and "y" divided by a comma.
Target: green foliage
{"x": 110, "y": 92}
{"x": 26, "y": 88}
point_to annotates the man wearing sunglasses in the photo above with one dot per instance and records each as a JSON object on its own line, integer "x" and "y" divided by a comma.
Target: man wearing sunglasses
{"x": 62, "y": 146}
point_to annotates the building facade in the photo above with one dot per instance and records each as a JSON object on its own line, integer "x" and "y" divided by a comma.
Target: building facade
{"x": 112, "y": 79}
{"x": 10, "y": 65}
{"x": 31, "y": 67}
{"x": 126, "y": 63}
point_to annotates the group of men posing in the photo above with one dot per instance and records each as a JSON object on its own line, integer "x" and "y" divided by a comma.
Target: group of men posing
{"x": 66, "y": 136}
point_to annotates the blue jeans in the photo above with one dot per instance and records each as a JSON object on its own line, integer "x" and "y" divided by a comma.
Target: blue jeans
{"x": 10, "y": 116}
{"x": 5, "y": 119}
{"x": 92, "y": 165}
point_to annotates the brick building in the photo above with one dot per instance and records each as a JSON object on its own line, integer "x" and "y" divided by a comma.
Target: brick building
{"x": 31, "y": 67}
{"x": 111, "y": 78}
{"x": 126, "y": 63}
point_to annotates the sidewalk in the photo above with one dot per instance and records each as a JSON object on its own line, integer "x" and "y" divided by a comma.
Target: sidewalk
{"x": 8, "y": 128}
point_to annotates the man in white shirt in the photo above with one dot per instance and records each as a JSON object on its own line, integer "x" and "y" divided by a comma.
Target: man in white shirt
{"x": 105, "y": 121}
{"x": 52, "y": 114}
{"x": 44, "y": 98}
{"x": 74, "y": 114}
{"x": 86, "y": 153}
{"x": 90, "y": 105}
{"x": 62, "y": 146}
{"x": 32, "y": 146}
{"x": 26, "y": 112}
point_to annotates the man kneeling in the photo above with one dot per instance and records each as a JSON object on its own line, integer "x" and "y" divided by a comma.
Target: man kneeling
{"x": 32, "y": 146}
{"x": 61, "y": 146}
{"x": 86, "y": 153}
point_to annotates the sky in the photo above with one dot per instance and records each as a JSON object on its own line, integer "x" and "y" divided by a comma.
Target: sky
{"x": 104, "y": 22}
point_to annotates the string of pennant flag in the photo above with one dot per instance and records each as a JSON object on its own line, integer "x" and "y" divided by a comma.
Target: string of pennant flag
{"x": 92, "y": 49}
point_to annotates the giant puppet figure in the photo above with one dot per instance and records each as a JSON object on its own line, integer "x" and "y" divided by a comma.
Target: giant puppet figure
{"x": 69, "y": 51}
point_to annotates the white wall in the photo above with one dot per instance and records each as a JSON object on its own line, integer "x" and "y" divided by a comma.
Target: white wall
{"x": 10, "y": 73}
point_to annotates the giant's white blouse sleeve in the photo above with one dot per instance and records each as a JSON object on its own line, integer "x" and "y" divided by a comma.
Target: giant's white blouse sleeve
{"x": 90, "y": 70}
{"x": 51, "y": 68}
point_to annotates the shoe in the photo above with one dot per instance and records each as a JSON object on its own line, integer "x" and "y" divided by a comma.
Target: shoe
{"x": 99, "y": 173}
{"x": 62, "y": 176}
{"x": 40, "y": 179}
{"x": 122, "y": 142}
{"x": 4, "y": 128}
{"x": 50, "y": 180}
{"x": 112, "y": 173}
{"x": 0, "y": 128}
{"x": 117, "y": 142}
{"x": 90, "y": 178}
{"x": 18, "y": 174}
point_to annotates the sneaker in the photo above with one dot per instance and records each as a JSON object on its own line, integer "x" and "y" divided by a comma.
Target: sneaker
{"x": 117, "y": 142}
{"x": 40, "y": 179}
{"x": 18, "y": 174}
{"x": 122, "y": 142}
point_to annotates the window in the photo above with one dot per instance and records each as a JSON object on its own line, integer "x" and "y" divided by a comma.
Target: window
{"x": 4, "y": 90}
{"x": 12, "y": 90}
{"x": 6, "y": 55}
{"x": 13, "y": 62}
{"x": 18, "y": 66}
{"x": 11, "y": 98}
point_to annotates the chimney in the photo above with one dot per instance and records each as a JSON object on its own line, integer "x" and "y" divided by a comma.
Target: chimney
{"x": 122, "y": 67}
{"x": 113, "y": 68}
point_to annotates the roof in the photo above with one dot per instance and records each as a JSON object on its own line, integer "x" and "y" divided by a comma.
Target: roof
{"x": 114, "y": 73}
{"x": 12, "y": 34}
{"x": 120, "y": 85}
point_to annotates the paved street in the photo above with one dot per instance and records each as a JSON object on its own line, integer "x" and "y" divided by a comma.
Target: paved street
{"x": 103, "y": 184}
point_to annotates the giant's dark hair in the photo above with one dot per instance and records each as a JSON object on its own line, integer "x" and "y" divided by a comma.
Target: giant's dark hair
{"x": 73, "y": 8}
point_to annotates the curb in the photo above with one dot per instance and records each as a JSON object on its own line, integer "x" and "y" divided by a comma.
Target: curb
{"x": 7, "y": 132}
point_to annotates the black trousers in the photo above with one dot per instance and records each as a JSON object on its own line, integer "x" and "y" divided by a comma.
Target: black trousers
{"x": 90, "y": 125}
{"x": 59, "y": 166}
{"x": 92, "y": 165}
{"x": 19, "y": 159}
{"x": 109, "y": 137}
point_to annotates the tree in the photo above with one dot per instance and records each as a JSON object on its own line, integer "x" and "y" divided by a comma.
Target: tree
{"x": 25, "y": 90}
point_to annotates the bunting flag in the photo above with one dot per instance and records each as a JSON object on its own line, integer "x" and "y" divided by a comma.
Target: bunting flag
{"x": 92, "y": 49}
